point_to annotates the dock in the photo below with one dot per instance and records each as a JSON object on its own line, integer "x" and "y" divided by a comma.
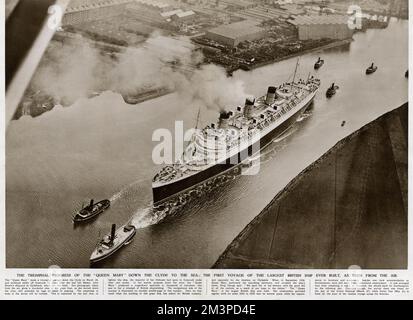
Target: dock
{"x": 348, "y": 209}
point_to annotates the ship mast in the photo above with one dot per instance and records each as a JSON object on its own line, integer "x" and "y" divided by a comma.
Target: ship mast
{"x": 197, "y": 118}
{"x": 193, "y": 135}
{"x": 295, "y": 71}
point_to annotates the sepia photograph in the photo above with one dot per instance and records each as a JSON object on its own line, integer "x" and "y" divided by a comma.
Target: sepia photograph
{"x": 206, "y": 134}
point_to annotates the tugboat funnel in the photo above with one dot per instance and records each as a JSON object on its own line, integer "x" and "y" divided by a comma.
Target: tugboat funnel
{"x": 91, "y": 203}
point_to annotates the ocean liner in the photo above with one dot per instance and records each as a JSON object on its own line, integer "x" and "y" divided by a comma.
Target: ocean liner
{"x": 238, "y": 135}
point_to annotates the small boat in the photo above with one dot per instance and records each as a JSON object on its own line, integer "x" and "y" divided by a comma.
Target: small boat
{"x": 91, "y": 211}
{"x": 113, "y": 242}
{"x": 371, "y": 69}
{"x": 343, "y": 123}
{"x": 331, "y": 91}
{"x": 319, "y": 63}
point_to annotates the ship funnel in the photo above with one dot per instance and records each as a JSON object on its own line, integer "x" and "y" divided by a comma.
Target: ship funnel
{"x": 249, "y": 105}
{"x": 91, "y": 203}
{"x": 271, "y": 95}
{"x": 112, "y": 233}
{"x": 223, "y": 119}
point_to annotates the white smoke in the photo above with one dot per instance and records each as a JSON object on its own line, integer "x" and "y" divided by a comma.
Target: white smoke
{"x": 76, "y": 69}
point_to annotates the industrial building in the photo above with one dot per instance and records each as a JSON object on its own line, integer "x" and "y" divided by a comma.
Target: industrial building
{"x": 237, "y": 4}
{"x": 184, "y": 16}
{"x": 235, "y": 33}
{"x": 322, "y": 27}
{"x": 158, "y": 6}
{"x": 80, "y": 11}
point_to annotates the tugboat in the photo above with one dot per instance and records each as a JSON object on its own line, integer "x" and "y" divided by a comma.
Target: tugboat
{"x": 319, "y": 63}
{"x": 91, "y": 211}
{"x": 331, "y": 91}
{"x": 113, "y": 242}
{"x": 371, "y": 69}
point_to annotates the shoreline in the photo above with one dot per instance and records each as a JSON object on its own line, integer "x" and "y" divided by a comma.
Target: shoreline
{"x": 333, "y": 44}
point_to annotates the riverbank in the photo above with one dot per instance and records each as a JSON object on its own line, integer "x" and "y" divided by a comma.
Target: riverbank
{"x": 335, "y": 44}
{"x": 347, "y": 208}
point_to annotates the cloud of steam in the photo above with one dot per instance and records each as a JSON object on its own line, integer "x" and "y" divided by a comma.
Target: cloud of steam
{"x": 76, "y": 69}
{"x": 210, "y": 86}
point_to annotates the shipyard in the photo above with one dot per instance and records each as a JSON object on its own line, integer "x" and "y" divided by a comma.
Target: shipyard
{"x": 294, "y": 116}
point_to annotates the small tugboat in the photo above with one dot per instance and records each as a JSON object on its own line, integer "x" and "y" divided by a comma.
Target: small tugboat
{"x": 319, "y": 63}
{"x": 371, "y": 69}
{"x": 91, "y": 211}
{"x": 113, "y": 242}
{"x": 331, "y": 91}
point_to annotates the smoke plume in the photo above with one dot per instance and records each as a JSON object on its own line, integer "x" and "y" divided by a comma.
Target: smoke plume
{"x": 75, "y": 70}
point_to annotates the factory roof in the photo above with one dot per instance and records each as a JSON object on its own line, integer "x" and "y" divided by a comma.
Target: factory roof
{"x": 239, "y": 3}
{"x": 237, "y": 29}
{"x": 184, "y": 14}
{"x": 157, "y": 4}
{"x": 76, "y": 6}
{"x": 170, "y": 13}
{"x": 317, "y": 19}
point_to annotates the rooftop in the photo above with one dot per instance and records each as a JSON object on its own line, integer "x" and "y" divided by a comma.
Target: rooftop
{"x": 184, "y": 14}
{"x": 237, "y": 29}
{"x": 76, "y": 6}
{"x": 154, "y": 3}
{"x": 317, "y": 19}
{"x": 170, "y": 13}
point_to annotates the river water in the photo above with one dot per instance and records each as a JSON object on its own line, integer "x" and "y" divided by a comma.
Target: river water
{"x": 102, "y": 148}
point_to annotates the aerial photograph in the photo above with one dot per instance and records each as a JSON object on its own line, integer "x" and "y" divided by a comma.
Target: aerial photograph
{"x": 207, "y": 134}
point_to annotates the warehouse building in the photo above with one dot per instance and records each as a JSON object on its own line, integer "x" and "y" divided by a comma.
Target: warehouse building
{"x": 155, "y": 5}
{"x": 184, "y": 16}
{"x": 235, "y": 33}
{"x": 321, "y": 27}
{"x": 80, "y": 11}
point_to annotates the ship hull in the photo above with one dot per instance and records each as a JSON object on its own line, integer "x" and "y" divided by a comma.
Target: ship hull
{"x": 167, "y": 191}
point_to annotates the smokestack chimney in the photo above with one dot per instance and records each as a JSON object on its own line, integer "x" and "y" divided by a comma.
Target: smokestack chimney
{"x": 112, "y": 233}
{"x": 271, "y": 95}
{"x": 249, "y": 105}
{"x": 91, "y": 204}
{"x": 223, "y": 119}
